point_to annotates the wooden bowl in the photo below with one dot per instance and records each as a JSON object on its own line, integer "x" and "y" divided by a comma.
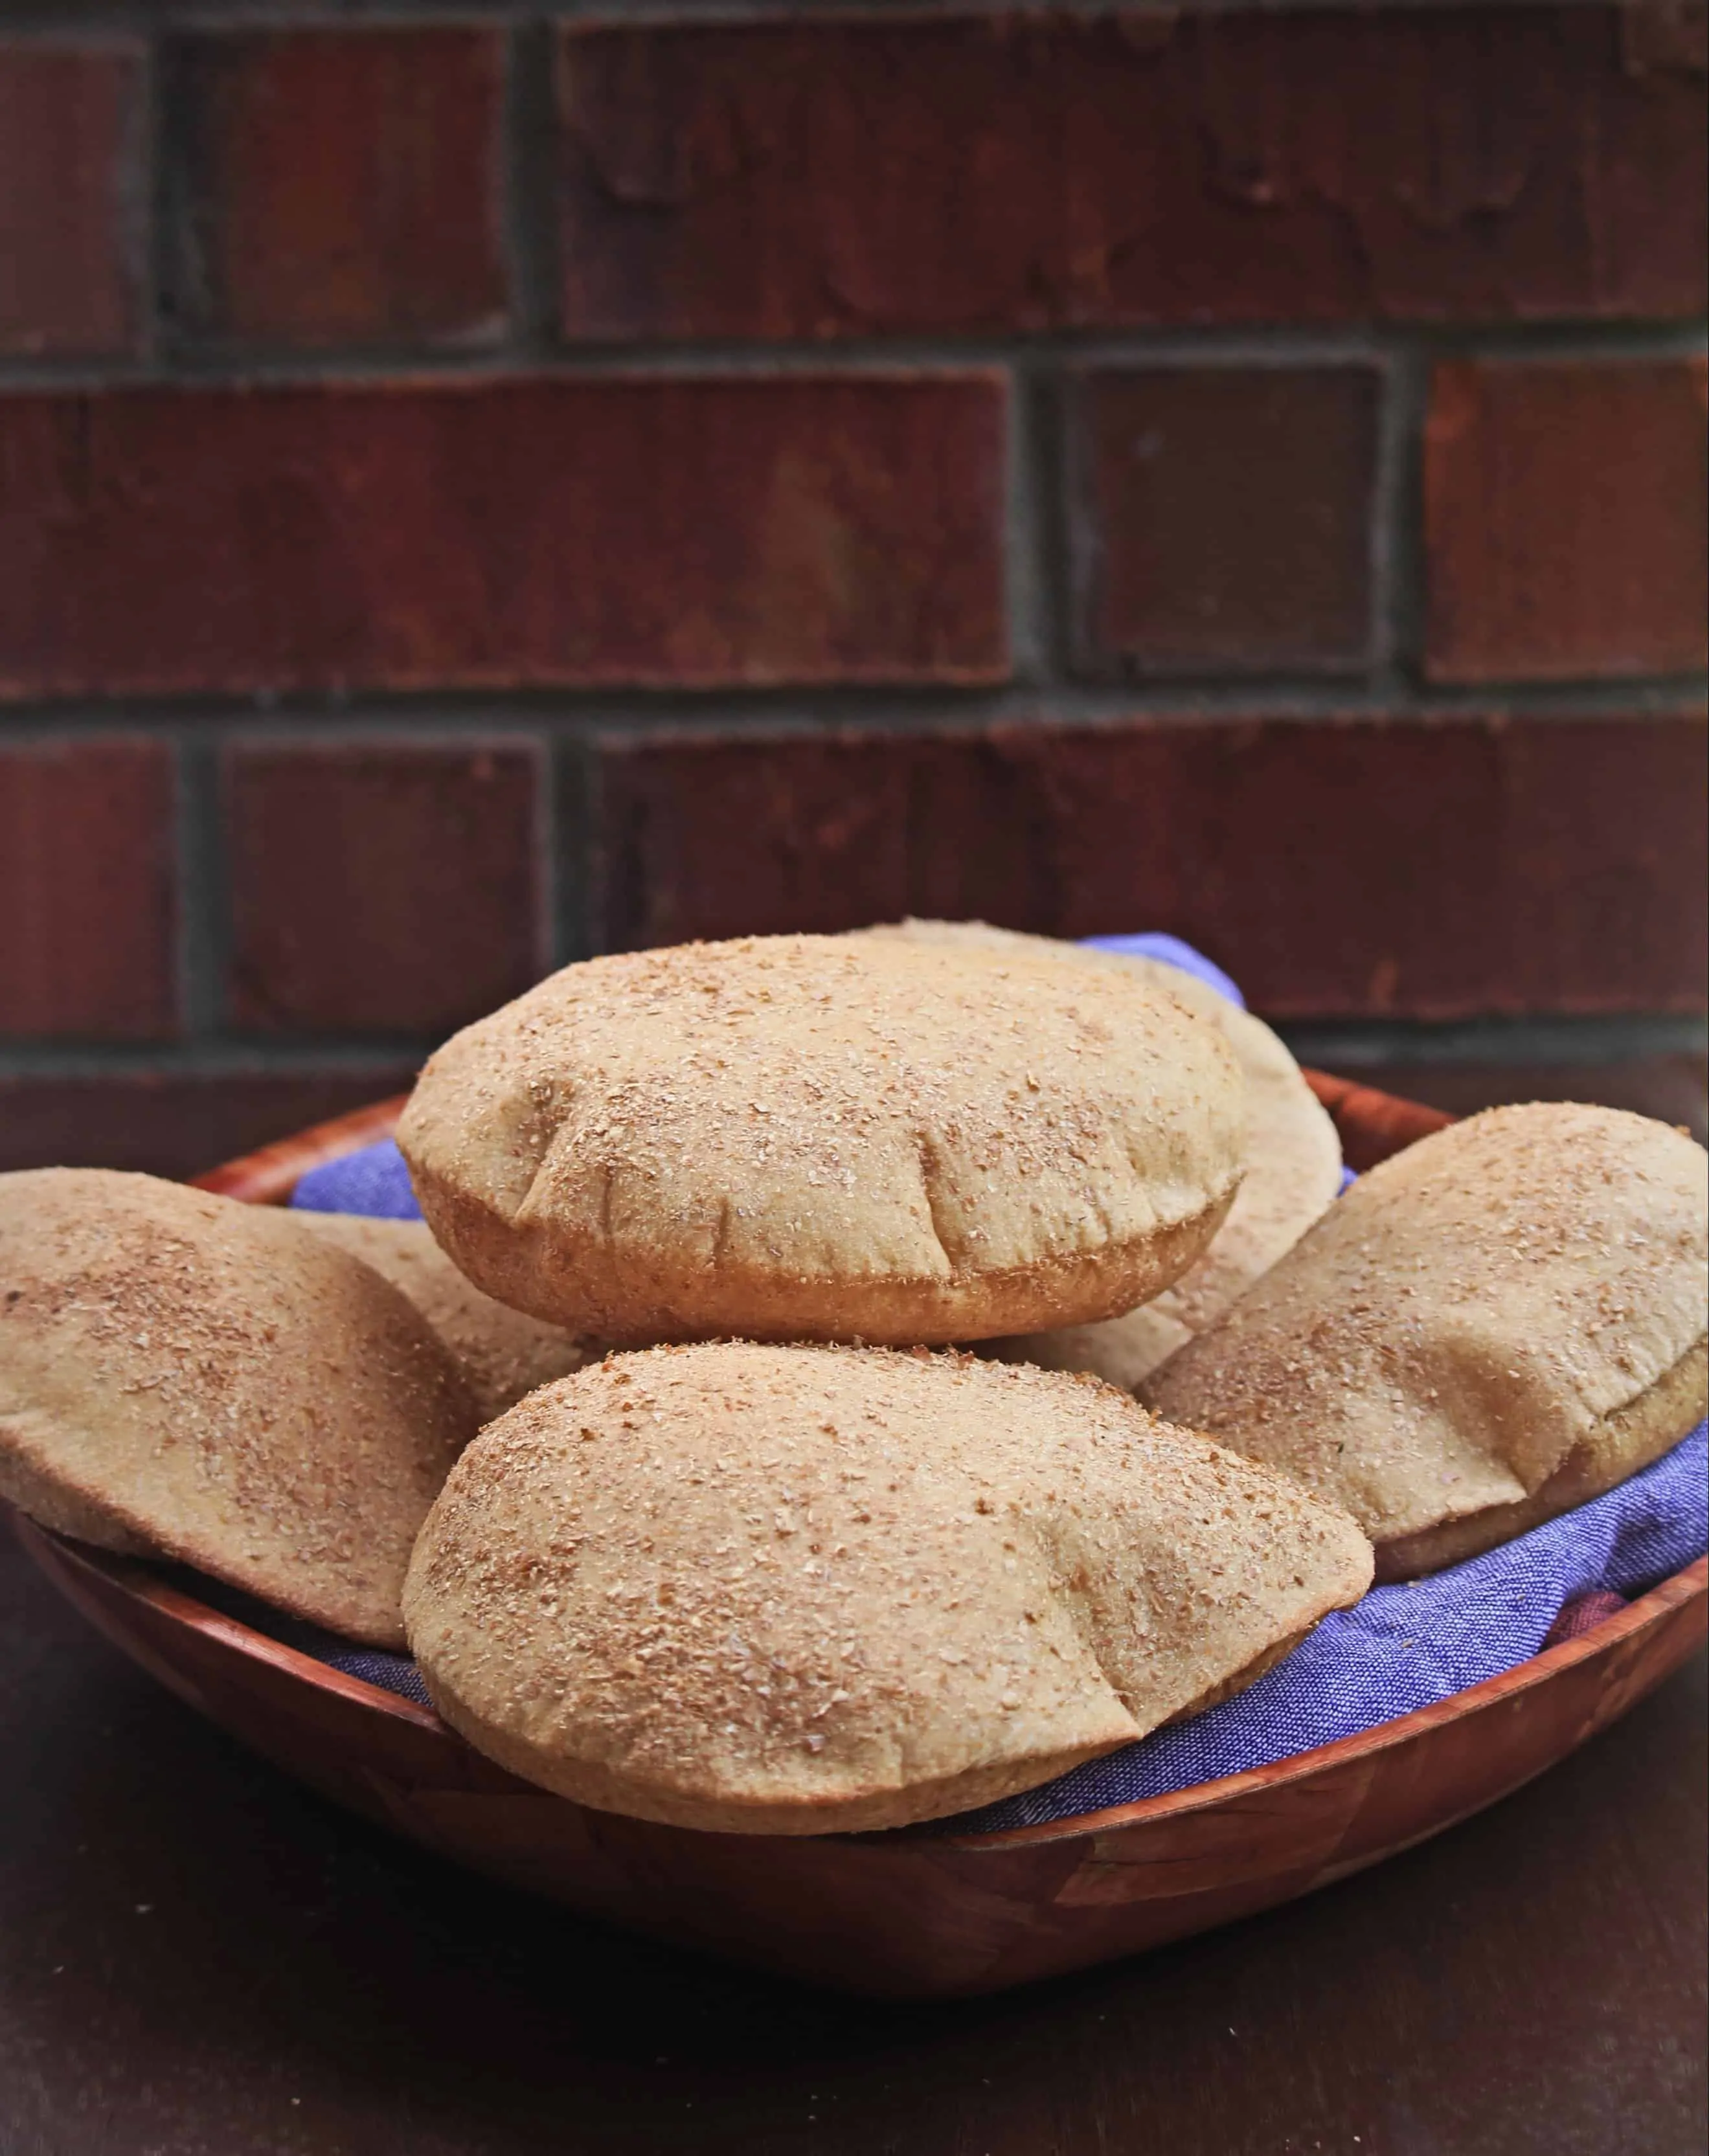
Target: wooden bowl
{"x": 910, "y": 1917}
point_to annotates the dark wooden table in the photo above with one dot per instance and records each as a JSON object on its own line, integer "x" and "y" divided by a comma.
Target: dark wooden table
{"x": 199, "y": 1959}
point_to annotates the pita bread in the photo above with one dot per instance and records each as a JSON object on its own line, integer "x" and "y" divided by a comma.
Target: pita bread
{"x": 1293, "y": 1170}
{"x": 811, "y": 1136}
{"x": 502, "y": 1352}
{"x": 1499, "y": 1322}
{"x": 181, "y": 1375}
{"x": 795, "y": 1590}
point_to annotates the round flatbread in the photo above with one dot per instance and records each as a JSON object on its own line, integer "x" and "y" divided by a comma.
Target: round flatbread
{"x": 184, "y": 1376}
{"x": 795, "y": 1590}
{"x": 1293, "y": 1169}
{"x": 1499, "y": 1322}
{"x": 811, "y": 1136}
{"x": 502, "y": 1353}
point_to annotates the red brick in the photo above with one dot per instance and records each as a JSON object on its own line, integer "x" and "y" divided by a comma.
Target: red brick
{"x": 665, "y": 530}
{"x": 1229, "y": 518}
{"x": 175, "y": 1122}
{"x": 68, "y": 123}
{"x": 87, "y": 889}
{"x": 1035, "y": 172}
{"x": 1565, "y": 513}
{"x": 1435, "y": 869}
{"x": 339, "y": 187}
{"x": 382, "y": 888}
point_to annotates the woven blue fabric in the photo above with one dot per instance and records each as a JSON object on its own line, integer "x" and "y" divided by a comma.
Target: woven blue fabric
{"x": 1173, "y": 953}
{"x": 374, "y": 1666}
{"x": 374, "y": 1180}
{"x": 1400, "y": 1649}
{"x": 1405, "y": 1647}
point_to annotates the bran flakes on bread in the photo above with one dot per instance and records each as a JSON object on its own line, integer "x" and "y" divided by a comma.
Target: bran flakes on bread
{"x": 811, "y": 1136}
{"x": 1293, "y": 1169}
{"x": 800, "y": 1590}
{"x": 1496, "y": 1324}
{"x": 502, "y": 1353}
{"x": 184, "y": 1376}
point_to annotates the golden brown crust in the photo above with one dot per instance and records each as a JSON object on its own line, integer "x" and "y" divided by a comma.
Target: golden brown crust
{"x": 1123, "y": 1351}
{"x": 51, "y": 1504}
{"x": 1476, "y": 1315}
{"x": 184, "y": 1375}
{"x": 812, "y": 1137}
{"x": 1613, "y": 1447}
{"x": 1293, "y": 1169}
{"x": 1244, "y": 1679}
{"x": 794, "y": 1590}
{"x": 502, "y": 1353}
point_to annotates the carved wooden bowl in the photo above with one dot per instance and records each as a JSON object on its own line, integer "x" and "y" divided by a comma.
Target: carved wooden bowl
{"x": 912, "y": 1917}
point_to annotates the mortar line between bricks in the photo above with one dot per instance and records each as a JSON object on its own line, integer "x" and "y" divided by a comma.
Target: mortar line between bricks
{"x": 211, "y": 364}
{"x": 574, "y": 781}
{"x": 176, "y": 265}
{"x": 529, "y": 190}
{"x": 1063, "y": 525}
{"x": 1534, "y": 1038}
{"x": 1033, "y": 643}
{"x": 545, "y": 838}
{"x": 204, "y": 900}
{"x": 140, "y": 207}
{"x": 1397, "y": 532}
{"x": 642, "y": 715}
{"x": 46, "y": 17}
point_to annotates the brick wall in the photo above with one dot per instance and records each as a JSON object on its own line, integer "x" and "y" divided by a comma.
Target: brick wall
{"x": 478, "y": 488}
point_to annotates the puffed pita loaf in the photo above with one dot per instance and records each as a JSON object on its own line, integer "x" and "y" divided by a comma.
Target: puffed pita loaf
{"x": 502, "y": 1353}
{"x": 811, "y": 1136}
{"x": 1499, "y": 1322}
{"x": 795, "y": 1590}
{"x": 181, "y": 1375}
{"x": 1293, "y": 1170}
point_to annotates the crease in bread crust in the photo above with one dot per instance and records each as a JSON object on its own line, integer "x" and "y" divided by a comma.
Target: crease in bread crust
{"x": 1231, "y": 1687}
{"x": 1293, "y": 1167}
{"x": 540, "y": 1271}
{"x": 1499, "y": 1322}
{"x": 749, "y": 1589}
{"x": 1615, "y": 1446}
{"x": 806, "y": 1137}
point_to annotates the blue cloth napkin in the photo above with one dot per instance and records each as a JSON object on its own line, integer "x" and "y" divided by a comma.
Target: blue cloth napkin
{"x": 1173, "y": 953}
{"x": 374, "y": 1180}
{"x": 1401, "y": 1648}
{"x": 1406, "y": 1647}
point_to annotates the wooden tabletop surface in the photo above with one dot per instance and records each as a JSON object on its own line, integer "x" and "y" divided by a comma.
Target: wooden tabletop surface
{"x": 199, "y": 1959}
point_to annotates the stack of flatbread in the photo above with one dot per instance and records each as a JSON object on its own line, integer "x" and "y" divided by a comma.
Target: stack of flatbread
{"x": 784, "y": 1556}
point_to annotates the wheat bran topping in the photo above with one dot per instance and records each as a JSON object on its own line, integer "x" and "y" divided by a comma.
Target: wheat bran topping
{"x": 791, "y": 1589}
{"x": 1480, "y": 1315}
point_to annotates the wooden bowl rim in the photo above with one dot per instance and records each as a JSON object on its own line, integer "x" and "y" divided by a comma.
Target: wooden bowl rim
{"x": 179, "y": 1608}
{"x": 269, "y": 1175}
